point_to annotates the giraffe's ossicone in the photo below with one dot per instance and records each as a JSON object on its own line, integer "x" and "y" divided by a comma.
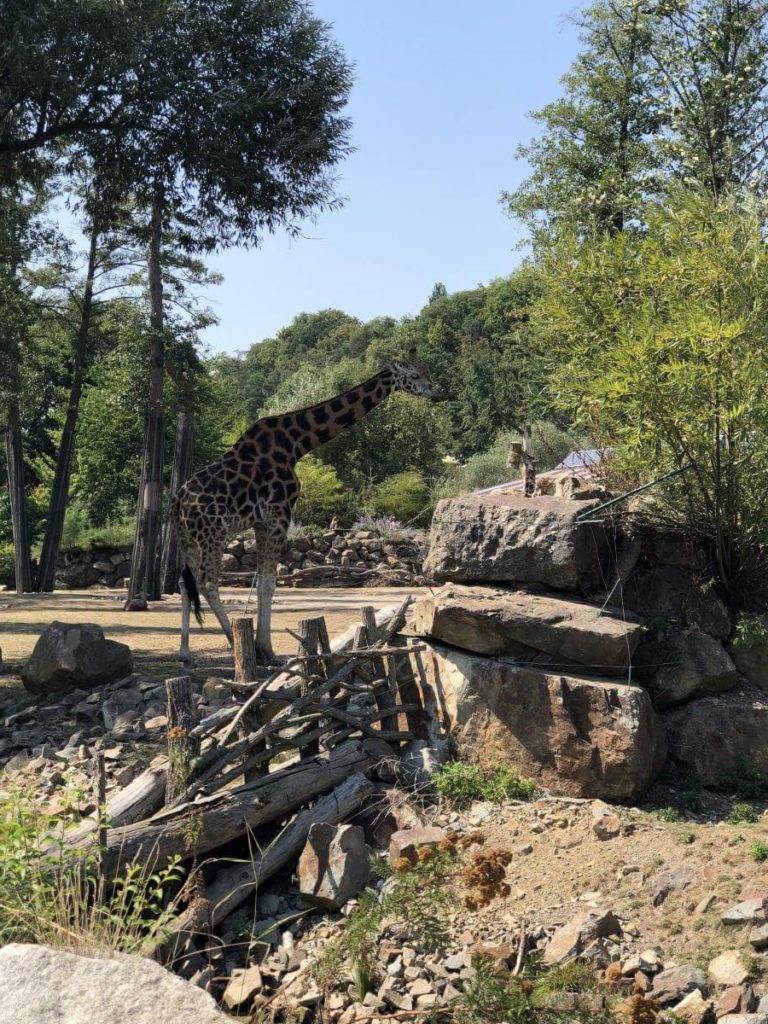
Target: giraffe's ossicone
{"x": 253, "y": 485}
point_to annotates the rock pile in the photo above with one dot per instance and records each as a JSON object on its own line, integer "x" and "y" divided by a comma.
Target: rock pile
{"x": 337, "y": 558}
{"x": 570, "y": 649}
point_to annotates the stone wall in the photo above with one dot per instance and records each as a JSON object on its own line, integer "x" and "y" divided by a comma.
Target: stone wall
{"x": 525, "y": 662}
{"x": 338, "y": 558}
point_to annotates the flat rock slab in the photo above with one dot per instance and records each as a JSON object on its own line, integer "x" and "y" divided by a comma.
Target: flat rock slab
{"x": 50, "y": 986}
{"x": 334, "y": 865}
{"x": 490, "y": 620}
{"x": 716, "y": 736}
{"x": 504, "y": 537}
{"x": 581, "y": 737}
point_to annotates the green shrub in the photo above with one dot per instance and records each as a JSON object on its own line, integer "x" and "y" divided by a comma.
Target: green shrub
{"x": 668, "y": 814}
{"x": 750, "y": 630}
{"x": 7, "y": 566}
{"x": 56, "y": 896}
{"x": 742, "y": 814}
{"x": 746, "y": 781}
{"x": 759, "y": 851}
{"x": 460, "y": 783}
{"x": 322, "y": 496}
{"x": 405, "y": 497}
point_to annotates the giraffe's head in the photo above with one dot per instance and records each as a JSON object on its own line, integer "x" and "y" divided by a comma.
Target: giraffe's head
{"x": 412, "y": 376}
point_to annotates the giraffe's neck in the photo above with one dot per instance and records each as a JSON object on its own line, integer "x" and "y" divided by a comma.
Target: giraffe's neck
{"x": 326, "y": 420}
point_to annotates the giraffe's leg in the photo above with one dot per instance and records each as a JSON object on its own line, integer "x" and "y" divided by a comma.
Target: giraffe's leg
{"x": 268, "y": 549}
{"x": 265, "y": 589}
{"x": 185, "y": 654}
{"x": 212, "y": 597}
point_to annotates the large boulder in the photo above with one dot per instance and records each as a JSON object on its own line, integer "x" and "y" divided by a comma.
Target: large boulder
{"x": 334, "y": 865}
{"x": 493, "y": 621}
{"x": 50, "y": 986}
{"x": 717, "y": 736}
{"x": 504, "y": 537}
{"x": 664, "y": 594}
{"x": 75, "y": 656}
{"x": 750, "y": 653}
{"x": 581, "y": 737}
{"x": 684, "y": 664}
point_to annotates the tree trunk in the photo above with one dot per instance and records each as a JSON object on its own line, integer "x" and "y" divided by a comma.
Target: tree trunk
{"x": 182, "y": 467}
{"x": 16, "y": 487}
{"x": 145, "y": 566}
{"x": 60, "y": 491}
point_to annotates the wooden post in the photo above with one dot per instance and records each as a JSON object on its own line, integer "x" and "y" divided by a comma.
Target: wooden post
{"x": 182, "y": 467}
{"x": 244, "y": 647}
{"x": 181, "y": 747}
{"x": 309, "y": 644}
{"x": 100, "y": 797}
{"x": 529, "y": 472}
{"x": 246, "y": 671}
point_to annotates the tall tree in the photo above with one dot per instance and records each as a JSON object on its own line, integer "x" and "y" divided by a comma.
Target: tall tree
{"x": 239, "y": 138}
{"x": 710, "y": 61}
{"x": 593, "y": 162}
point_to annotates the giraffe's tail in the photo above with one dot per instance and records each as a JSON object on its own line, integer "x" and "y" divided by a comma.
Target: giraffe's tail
{"x": 193, "y": 592}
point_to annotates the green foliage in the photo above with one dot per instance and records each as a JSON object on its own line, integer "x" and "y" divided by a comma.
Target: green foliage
{"x": 460, "y": 783}
{"x": 78, "y": 535}
{"x": 758, "y": 851}
{"x": 55, "y": 895}
{"x": 322, "y": 494}
{"x": 668, "y": 814}
{"x": 575, "y": 976}
{"x": 742, "y": 814}
{"x": 746, "y": 780}
{"x": 644, "y": 326}
{"x": 404, "y": 497}
{"x": 751, "y": 630}
{"x": 6, "y": 561}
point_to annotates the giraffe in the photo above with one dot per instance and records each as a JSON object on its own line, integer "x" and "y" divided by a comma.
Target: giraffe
{"x": 253, "y": 485}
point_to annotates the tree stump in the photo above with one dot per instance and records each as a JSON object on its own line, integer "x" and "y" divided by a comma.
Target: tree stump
{"x": 181, "y": 747}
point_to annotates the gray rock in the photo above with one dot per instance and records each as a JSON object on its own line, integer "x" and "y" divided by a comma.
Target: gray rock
{"x": 69, "y": 656}
{"x": 571, "y": 940}
{"x": 671, "y": 985}
{"x": 679, "y": 878}
{"x": 581, "y": 737}
{"x": 334, "y": 865}
{"x": 692, "y": 664}
{"x": 503, "y": 537}
{"x": 664, "y": 593}
{"x": 746, "y": 912}
{"x": 489, "y": 620}
{"x": 419, "y": 763}
{"x": 48, "y": 986}
{"x": 715, "y": 736}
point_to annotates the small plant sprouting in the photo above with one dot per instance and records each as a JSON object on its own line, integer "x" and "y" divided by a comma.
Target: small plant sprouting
{"x": 746, "y": 780}
{"x": 668, "y": 814}
{"x": 759, "y": 851}
{"x": 742, "y": 814}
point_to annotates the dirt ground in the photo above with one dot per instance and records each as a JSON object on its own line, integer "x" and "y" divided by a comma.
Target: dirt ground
{"x": 153, "y": 636}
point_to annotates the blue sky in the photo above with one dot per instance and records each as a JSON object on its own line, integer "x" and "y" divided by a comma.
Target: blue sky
{"x": 439, "y": 105}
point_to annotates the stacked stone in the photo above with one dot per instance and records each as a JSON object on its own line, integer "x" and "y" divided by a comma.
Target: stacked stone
{"x": 527, "y": 666}
{"x": 94, "y": 567}
{"x": 335, "y": 558}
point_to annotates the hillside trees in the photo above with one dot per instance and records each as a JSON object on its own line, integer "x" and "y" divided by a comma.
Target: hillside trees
{"x": 661, "y": 346}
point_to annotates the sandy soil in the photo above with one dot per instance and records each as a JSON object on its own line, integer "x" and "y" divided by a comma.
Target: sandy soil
{"x": 153, "y": 636}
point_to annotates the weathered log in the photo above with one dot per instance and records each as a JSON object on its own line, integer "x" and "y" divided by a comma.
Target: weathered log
{"x": 233, "y": 885}
{"x": 182, "y": 748}
{"x": 137, "y": 801}
{"x": 197, "y": 828}
{"x": 309, "y": 646}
